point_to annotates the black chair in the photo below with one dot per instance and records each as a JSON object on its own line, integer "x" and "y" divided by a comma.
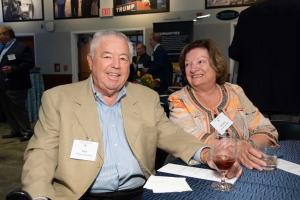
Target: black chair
{"x": 164, "y": 103}
{"x": 287, "y": 130}
{"x": 161, "y": 156}
{"x": 18, "y": 195}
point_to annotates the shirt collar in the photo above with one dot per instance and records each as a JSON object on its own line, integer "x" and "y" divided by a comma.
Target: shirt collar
{"x": 99, "y": 97}
{"x": 156, "y": 46}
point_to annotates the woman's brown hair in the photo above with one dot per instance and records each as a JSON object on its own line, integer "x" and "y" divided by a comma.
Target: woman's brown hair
{"x": 216, "y": 58}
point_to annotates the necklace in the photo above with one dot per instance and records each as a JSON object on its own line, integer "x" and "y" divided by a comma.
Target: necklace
{"x": 209, "y": 100}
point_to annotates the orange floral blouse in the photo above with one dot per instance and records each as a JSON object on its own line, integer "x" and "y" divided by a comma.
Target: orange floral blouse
{"x": 195, "y": 119}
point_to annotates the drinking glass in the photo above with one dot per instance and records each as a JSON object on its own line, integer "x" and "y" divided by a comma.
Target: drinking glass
{"x": 224, "y": 153}
{"x": 269, "y": 156}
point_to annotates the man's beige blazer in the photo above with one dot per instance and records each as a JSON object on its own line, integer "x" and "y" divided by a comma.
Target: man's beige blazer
{"x": 69, "y": 112}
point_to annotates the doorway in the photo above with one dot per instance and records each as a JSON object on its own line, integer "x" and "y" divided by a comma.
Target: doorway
{"x": 27, "y": 40}
{"x": 83, "y": 50}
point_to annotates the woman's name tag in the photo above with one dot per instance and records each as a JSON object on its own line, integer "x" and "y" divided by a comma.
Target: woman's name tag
{"x": 221, "y": 123}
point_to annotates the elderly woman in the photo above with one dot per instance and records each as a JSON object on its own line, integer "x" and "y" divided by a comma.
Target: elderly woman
{"x": 208, "y": 94}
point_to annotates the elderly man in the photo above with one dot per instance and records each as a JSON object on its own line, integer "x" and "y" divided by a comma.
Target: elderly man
{"x": 97, "y": 139}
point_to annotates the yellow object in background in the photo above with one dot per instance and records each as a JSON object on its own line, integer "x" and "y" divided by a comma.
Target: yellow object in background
{"x": 138, "y": 73}
{"x": 148, "y": 80}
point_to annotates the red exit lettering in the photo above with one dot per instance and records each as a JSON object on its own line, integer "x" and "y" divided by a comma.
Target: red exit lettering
{"x": 105, "y": 11}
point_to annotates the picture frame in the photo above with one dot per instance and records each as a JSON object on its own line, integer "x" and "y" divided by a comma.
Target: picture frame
{"x": 210, "y": 4}
{"x": 72, "y": 9}
{"x": 131, "y": 7}
{"x": 22, "y": 10}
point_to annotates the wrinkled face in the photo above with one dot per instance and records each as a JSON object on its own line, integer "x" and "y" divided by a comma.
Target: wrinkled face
{"x": 198, "y": 69}
{"x": 110, "y": 65}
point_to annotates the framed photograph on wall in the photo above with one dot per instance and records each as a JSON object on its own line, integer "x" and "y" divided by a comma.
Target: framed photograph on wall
{"x": 129, "y": 7}
{"x": 22, "y": 10}
{"x": 68, "y": 9}
{"x": 227, "y": 3}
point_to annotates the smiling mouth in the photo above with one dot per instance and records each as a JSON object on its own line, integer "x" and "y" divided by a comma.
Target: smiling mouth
{"x": 113, "y": 75}
{"x": 197, "y": 75}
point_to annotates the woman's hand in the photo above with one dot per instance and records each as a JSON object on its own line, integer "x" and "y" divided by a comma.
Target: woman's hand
{"x": 249, "y": 156}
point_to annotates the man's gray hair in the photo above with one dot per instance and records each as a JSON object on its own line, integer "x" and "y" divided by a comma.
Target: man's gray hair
{"x": 104, "y": 33}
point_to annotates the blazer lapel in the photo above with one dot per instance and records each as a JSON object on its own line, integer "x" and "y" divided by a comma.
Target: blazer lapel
{"x": 87, "y": 115}
{"x": 131, "y": 117}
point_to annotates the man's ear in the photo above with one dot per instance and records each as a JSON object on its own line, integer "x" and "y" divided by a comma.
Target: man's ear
{"x": 90, "y": 61}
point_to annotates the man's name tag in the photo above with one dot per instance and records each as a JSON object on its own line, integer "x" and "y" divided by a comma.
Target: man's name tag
{"x": 221, "y": 123}
{"x": 140, "y": 66}
{"x": 11, "y": 57}
{"x": 84, "y": 150}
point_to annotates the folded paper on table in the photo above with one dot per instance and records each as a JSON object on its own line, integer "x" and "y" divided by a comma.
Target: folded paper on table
{"x": 194, "y": 172}
{"x": 288, "y": 166}
{"x": 162, "y": 184}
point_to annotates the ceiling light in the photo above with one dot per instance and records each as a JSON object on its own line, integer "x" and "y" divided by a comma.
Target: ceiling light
{"x": 203, "y": 16}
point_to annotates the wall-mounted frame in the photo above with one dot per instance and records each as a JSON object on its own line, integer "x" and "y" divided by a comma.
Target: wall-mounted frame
{"x": 227, "y": 3}
{"x": 174, "y": 36}
{"x": 22, "y": 10}
{"x": 70, "y": 9}
{"x": 129, "y": 7}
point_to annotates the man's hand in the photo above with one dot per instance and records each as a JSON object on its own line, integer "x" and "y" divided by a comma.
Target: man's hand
{"x": 235, "y": 170}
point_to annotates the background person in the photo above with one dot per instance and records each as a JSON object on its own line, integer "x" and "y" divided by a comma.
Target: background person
{"x": 141, "y": 56}
{"x": 13, "y": 10}
{"x": 208, "y": 94}
{"x": 161, "y": 67}
{"x": 275, "y": 65}
{"x": 86, "y": 8}
{"x": 98, "y": 137}
{"x": 16, "y": 60}
{"x": 74, "y": 8}
{"x": 60, "y": 8}
{"x": 140, "y": 61}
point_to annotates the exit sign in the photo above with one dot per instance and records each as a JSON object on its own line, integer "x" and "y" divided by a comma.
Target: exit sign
{"x": 106, "y": 12}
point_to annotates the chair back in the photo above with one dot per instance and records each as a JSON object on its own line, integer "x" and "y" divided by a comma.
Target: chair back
{"x": 164, "y": 103}
{"x": 287, "y": 130}
{"x": 18, "y": 195}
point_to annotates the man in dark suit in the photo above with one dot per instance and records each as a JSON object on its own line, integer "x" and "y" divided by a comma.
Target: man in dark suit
{"x": 266, "y": 45}
{"x": 161, "y": 66}
{"x": 141, "y": 56}
{"x": 139, "y": 62}
{"x": 15, "y": 62}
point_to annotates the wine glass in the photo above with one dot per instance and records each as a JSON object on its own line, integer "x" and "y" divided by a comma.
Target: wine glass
{"x": 224, "y": 153}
